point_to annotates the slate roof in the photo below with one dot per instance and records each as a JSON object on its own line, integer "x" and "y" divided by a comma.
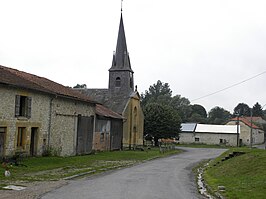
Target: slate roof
{"x": 20, "y": 79}
{"x": 121, "y": 60}
{"x": 115, "y": 103}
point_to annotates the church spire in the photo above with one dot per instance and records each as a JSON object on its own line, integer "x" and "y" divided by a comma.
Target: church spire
{"x": 121, "y": 59}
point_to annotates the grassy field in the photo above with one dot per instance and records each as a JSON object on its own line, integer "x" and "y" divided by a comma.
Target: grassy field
{"x": 55, "y": 168}
{"x": 243, "y": 176}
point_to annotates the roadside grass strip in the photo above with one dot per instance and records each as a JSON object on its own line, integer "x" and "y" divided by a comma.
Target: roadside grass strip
{"x": 241, "y": 176}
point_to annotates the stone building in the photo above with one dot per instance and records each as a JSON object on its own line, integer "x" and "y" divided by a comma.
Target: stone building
{"x": 38, "y": 114}
{"x": 121, "y": 95}
{"x": 250, "y": 130}
{"x": 208, "y": 134}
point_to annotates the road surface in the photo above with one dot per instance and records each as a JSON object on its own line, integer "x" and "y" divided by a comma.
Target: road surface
{"x": 165, "y": 178}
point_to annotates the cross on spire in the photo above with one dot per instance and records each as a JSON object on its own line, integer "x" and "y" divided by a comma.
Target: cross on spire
{"x": 121, "y": 5}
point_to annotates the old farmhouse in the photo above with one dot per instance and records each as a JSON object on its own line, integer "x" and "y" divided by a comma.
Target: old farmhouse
{"x": 37, "y": 114}
{"x": 250, "y": 130}
{"x": 122, "y": 96}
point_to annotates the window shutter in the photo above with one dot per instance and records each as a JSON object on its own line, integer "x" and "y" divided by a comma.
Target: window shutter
{"x": 17, "y": 105}
{"x": 29, "y": 107}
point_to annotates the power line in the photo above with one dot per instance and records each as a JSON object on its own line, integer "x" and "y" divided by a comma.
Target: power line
{"x": 236, "y": 84}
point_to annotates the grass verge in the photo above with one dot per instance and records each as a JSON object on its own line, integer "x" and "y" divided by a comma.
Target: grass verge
{"x": 243, "y": 176}
{"x": 55, "y": 168}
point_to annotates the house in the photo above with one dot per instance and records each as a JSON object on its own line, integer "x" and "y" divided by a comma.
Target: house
{"x": 37, "y": 114}
{"x": 209, "y": 134}
{"x": 250, "y": 129}
{"x": 121, "y": 96}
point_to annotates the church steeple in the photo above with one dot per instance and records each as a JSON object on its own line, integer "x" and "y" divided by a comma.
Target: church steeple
{"x": 121, "y": 60}
{"x": 121, "y": 80}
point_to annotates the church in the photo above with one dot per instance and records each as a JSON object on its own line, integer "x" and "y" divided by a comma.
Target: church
{"x": 122, "y": 96}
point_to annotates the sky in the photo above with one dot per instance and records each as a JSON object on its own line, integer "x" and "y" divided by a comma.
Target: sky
{"x": 197, "y": 47}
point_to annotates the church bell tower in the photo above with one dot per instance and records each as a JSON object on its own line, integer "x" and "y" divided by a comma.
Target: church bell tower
{"x": 121, "y": 81}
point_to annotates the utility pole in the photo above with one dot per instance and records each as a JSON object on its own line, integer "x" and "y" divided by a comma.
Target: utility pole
{"x": 237, "y": 133}
{"x": 264, "y": 132}
{"x": 251, "y": 131}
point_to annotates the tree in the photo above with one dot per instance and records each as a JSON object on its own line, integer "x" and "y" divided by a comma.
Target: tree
{"x": 197, "y": 118}
{"x": 182, "y": 105}
{"x": 161, "y": 121}
{"x": 196, "y": 108}
{"x": 218, "y": 115}
{"x": 159, "y": 93}
{"x": 257, "y": 110}
{"x": 80, "y": 86}
{"x": 241, "y": 109}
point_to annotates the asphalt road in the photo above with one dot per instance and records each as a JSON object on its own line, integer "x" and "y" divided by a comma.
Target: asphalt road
{"x": 166, "y": 178}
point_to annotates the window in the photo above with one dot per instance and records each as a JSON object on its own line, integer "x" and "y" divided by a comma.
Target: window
{"x": 21, "y": 138}
{"x": 221, "y": 141}
{"x": 118, "y": 82}
{"x": 196, "y": 139}
{"x": 2, "y": 129}
{"x": 23, "y": 106}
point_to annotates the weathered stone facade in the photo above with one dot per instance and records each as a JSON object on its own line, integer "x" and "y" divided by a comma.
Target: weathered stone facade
{"x": 54, "y": 120}
{"x": 64, "y": 123}
{"x": 40, "y": 111}
{"x": 245, "y": 134}
{"x": 208, "y": 138}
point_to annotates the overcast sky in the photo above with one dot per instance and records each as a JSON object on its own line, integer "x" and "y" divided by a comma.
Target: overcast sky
{"x": 198, "y": 47}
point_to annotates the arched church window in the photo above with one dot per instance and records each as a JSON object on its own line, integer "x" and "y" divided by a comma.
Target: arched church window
{"x": 118, "y": 82}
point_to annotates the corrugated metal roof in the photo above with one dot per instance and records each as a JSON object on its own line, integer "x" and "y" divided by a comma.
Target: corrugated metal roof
{"x": 209, "y": 128}
{"x": 188, "y": 127}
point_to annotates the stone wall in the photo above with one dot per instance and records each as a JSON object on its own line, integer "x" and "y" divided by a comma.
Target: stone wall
{"x": 208, "y": 138}
{"x": 257, "y": 135}
{"x": 64, "y": 121}
{"x": 54, "y": 118}
{"x": 38, "y": 119}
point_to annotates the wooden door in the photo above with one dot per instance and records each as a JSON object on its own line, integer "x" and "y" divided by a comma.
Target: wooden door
{"x": 2, "y": 141}
{"x": 33, "y": 141}
{"x": 84, "y": 134}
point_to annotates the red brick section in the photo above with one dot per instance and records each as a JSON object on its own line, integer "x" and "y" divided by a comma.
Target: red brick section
{"x": 25, "y": 80}
{"x": 246, "y": 120}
